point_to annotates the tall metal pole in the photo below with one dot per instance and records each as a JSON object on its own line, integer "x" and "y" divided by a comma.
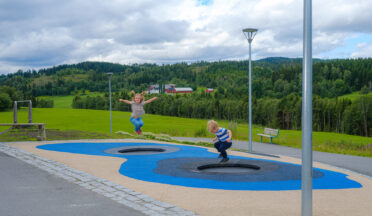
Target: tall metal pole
{"x": 249, "y": 34}
{"x": 250, "y": 96}
{"x": 307, "y": 139}
{"x": 110, "y": 106}
{"x": 109, "y": 76}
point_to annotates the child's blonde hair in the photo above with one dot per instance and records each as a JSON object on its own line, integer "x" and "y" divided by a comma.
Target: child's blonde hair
{"x": 141, "y": 96}
{"x": 212, "y": 125}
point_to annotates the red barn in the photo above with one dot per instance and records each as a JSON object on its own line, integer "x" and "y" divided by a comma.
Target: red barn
{"x": 179, "y": 90}
{"x": 184, "y": 90}
{"x": 209, "y": 90}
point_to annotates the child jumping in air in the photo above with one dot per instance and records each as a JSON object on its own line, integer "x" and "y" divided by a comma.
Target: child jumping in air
{"x": 137, "y": 104}
{"x": 223, "y": 136}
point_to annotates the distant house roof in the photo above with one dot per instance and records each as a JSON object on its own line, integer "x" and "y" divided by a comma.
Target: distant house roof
{"x": 184, "y": 89}
{"x": 153, "y": 91}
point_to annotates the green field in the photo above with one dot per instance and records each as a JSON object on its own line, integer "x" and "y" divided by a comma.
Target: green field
{"x": 97, "y": 121}
{"x": 61, "y": 101}
{"x": 354, "y": 95}
{"x": 66, "y": 101}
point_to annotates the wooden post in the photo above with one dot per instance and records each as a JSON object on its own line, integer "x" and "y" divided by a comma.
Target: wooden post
{"x": 30, "y": 111}
{"x": 44, "y": 134}
{"x": 15, "y": 111}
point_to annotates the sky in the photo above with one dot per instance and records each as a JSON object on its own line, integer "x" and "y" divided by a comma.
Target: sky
{"x": 38, "y": 34}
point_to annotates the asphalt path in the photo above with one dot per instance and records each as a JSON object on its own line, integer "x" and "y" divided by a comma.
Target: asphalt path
{"x": 362, "y": 165}
{"x": 26, "y": 190}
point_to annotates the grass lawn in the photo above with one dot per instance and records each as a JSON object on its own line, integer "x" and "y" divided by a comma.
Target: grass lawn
{"x": 66, "y": 101}
{"x": 96, "y": 124}
{"x": 354, "y": 95}
{"x": 61, "y": 101}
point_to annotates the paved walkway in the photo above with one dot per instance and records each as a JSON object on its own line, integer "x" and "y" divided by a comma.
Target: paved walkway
{"x": 26, "y": 190}
{"x": 362, "y": 165}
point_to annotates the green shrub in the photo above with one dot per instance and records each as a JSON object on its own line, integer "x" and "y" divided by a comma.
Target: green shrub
{"x": 201, "y": 132}
{"x": 233, "y": 127}
{"x": 5, "y": 102}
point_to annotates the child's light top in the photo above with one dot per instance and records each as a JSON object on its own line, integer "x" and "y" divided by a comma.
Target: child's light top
{"x": 137, "y": 109}
{"x": 222, "y": 134}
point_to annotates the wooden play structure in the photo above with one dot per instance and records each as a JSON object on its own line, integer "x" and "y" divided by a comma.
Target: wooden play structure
{"x": 15, "y": 124}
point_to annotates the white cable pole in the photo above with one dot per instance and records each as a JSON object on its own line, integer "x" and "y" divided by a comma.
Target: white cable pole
{"x": 307, "y": 139}
{"x": 250, "y": 96}
{"x": 109, "y": 76}
{"x": 249, "y": 33}
{"x": 110, "y": 106}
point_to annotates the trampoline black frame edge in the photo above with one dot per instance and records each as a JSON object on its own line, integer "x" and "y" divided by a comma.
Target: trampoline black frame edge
{"x": 139, "y": 149}
{"x": 217, "y": 165}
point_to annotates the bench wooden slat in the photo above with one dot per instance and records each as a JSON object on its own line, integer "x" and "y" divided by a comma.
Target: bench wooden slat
{"x": 270, "y": 133}
{"x": 265, "y": 135}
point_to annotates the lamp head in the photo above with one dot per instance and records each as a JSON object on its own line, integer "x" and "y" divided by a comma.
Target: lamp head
{"x": 250, "y": 30}
{"x": 249, "y": 33}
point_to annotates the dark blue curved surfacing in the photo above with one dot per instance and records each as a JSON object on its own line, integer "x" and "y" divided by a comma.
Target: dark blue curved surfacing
{"x": 146, "y": 168}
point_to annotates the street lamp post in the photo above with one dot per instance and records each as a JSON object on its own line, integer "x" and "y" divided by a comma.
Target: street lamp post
{"x": 109, "y": 76}
{"x": 249, "y": 34}
{"x": 307, "y": 112}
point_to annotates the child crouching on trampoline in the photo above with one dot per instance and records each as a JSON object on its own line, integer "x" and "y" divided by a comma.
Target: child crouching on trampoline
{"x": 223, "y": 136}
{"x": 137, "y": 104}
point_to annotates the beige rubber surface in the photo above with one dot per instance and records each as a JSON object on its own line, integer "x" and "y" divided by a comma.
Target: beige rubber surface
{"x": 220, "y": 202}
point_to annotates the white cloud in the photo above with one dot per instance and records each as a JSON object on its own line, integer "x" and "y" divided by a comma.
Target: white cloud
{"x": 363, "y": 50}
{"x": 43, "y": 33}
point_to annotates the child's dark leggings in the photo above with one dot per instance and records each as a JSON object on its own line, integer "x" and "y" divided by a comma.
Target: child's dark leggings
{"x": 221, "y": 146}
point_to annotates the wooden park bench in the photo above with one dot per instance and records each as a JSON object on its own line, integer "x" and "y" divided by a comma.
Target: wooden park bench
{"x": 41, "y": 127}
{"x": 269, "y": 132}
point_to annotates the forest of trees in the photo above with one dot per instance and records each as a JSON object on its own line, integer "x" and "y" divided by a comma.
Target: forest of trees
{"x": 276, "y": 85}
{"x": 274, "y": 79}
{"x": 331, "y": 115}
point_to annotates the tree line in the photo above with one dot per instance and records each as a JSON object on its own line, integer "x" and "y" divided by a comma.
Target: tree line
{"x": 272, "y": 77}
{"x": 10, "y": 94}
{"x": 331, "y": 115}
{"x": 276, "y": 85}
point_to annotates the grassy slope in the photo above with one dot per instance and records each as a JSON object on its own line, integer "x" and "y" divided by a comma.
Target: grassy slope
{"x": 98, "y": 121}
{"x": 354, "y": 95}
{"x": 66, "y": 101}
